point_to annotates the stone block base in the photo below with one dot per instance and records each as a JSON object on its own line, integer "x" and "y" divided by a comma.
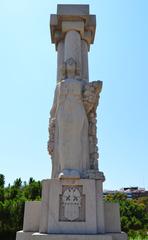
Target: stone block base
{"x": 21, "y": 235}
{"x": 38, "y": 236}
{"x": 72, "y": 207}
{"x": 70, "y": 237}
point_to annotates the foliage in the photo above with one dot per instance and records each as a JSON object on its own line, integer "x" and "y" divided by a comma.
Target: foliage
{"x": 12, "y": 200}
{"x": 134, "y": 214}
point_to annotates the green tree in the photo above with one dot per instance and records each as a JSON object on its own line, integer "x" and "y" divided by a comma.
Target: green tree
{"x": 33, "y": 191}
{"x": 2, "y": 180}
{"x": 12, "y": 201}
{"x": 134, "y": 213}
{"x": 2, "y": 184}
{"x": 117, "y": 197}
{"x": 18, "y": 183}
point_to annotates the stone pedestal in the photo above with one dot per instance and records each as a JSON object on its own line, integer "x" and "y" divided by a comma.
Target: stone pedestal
{"x": 71, "y": 209}
{"x": 40, "y": 236}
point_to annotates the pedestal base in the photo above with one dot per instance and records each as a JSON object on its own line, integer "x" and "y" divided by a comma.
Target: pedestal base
{"x": 38, "y": 236}
{"x": 71, "y": 209}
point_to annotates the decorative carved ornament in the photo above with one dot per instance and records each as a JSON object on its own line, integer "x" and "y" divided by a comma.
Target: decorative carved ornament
{"x": 72, "y": 204}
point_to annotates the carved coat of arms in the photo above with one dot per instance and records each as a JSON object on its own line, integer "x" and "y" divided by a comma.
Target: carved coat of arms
{"x": 71, "y": 200}
{"x": 72, "y": 204}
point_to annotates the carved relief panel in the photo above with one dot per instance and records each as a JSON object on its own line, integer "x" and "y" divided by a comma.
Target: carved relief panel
{"x": 72, "y": 204}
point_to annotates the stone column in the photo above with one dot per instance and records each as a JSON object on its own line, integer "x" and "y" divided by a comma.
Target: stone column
{"x": 60, "y": 60}
{"x": 84, "y": 54}
{"x": 73, "y": 50}
{"x": 72, "y": 32}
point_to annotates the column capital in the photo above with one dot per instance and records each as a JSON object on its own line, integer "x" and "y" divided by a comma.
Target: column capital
{"x": 72, "y": 17}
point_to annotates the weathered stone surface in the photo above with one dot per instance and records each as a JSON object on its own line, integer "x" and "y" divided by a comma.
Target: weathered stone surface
{"x": 119, "y": 236}
{"x": 72, "y": 204}
{"x": 32, "y": 216}
{"x": 84, "y": 56}
{"x": 21, "y": 235}
{"x": 73, "y": 13}
{"x": 39, "y": 236}
{"x": 72, "y": 54}
{"x": 81, "y": 155}
{"x": 44, "y": 206}
{"x": 59, "y": 217}
{"x": 112, "y": 217}
{"x": 74, "y": 25}
{"x": 71, "y": 150}
{"x": 100, "y": 207}
{"x": 72, "y": 9}
{"x": 60, "y": 60}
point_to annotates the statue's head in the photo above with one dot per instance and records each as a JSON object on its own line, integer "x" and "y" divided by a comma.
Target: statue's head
{"x": 70, "y": 69}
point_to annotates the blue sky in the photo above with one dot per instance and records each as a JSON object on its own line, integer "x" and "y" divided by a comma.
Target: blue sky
{"x": 119, "y": 57}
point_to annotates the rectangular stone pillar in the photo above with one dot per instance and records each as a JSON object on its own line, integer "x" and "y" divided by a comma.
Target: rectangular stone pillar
{"x": 69, "y": 206}
{"x": 32, "y": 216}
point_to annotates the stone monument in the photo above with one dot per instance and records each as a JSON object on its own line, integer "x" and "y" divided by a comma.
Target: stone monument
{"x": 72, "y": 205}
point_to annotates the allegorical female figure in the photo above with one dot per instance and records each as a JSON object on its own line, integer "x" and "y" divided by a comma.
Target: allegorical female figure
{"x": 72, "y": 126}
{"x": 70, "y": 150}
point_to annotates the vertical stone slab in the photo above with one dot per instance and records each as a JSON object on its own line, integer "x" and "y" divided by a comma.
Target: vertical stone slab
{"x": 32, "y": 216}
{"x": 100, "y": 207}
{"x": 112, "y": 217}
{"x": 44, "y": 207}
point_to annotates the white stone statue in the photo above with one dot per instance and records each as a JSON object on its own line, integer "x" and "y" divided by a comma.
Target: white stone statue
{"x": 70, "y": 148}
{"x": 72, "y": 126}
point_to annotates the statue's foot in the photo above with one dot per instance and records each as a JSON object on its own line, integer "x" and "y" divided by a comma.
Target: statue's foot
{"x": 69, "y": 174}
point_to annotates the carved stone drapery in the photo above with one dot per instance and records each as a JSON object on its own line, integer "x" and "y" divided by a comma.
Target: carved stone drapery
{"x": 90, "y": 99}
